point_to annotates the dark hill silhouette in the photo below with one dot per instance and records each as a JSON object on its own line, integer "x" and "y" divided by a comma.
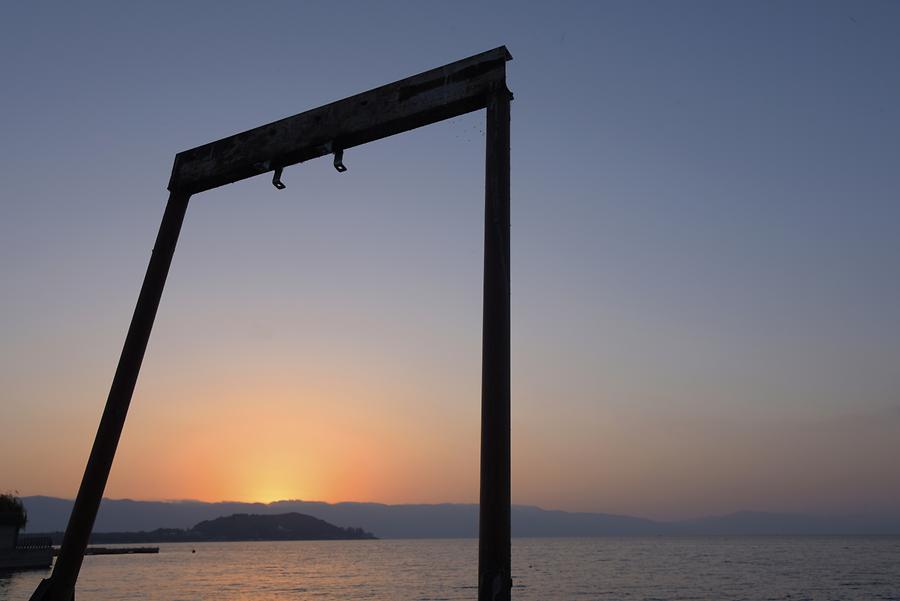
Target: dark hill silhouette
{"x": 237, "y": 527}
{"x": 285, "y": 526}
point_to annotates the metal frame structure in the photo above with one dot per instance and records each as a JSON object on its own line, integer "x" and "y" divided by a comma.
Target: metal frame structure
{"x": 457, "y": 88}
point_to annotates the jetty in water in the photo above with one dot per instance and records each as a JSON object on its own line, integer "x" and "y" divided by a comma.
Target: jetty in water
{"x": 114, "y": 550}
{"x": 26, "y": 553}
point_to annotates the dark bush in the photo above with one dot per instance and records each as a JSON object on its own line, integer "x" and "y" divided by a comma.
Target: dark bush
{"x": 12, "y": 511}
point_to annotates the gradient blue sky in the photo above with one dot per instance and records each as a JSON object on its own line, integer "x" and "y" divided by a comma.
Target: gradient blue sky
{"x": 706, "y": 304}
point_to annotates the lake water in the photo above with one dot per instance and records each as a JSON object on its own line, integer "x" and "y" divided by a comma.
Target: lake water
{"x": 714, "y": 569}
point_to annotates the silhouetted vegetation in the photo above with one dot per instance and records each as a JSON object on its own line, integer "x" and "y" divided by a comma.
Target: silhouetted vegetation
{"x": 12, "y": 511}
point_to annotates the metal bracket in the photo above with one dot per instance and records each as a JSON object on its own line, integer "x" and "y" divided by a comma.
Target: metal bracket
{"x": 276, "y": 179}
{"x": 339, "y": 161}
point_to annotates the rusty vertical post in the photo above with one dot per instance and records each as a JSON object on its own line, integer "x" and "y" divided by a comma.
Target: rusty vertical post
{"x": 61, "y": 584}
{"x": 494, "y": 579}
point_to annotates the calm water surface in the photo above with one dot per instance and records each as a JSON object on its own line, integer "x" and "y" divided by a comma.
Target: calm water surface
{"x": 714, "y": 569}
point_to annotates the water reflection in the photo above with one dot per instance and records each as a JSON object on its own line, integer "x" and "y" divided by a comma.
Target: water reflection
{"x": 544, "y": 569}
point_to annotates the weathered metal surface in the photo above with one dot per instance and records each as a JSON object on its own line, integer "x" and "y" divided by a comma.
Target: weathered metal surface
{"x": 428, "y": 97}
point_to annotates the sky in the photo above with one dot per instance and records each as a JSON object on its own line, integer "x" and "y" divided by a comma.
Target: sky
{"x": 705, "y": 301}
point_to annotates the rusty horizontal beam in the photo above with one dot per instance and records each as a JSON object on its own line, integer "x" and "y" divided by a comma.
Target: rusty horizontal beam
{"x": 442, "y": 93}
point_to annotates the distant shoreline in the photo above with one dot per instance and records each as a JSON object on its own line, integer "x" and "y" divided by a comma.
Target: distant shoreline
{"x": 120, "y": 538}
{"x": 239, "y": 527}
{"x": 135, "y": 538}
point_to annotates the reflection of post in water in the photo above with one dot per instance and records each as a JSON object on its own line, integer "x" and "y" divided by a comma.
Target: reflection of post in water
{"x": 457, "y": 88}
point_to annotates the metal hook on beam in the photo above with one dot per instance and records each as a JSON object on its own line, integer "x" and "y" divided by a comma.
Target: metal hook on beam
{"x": 276, "y": 179}
{"x": 339, "y": 161}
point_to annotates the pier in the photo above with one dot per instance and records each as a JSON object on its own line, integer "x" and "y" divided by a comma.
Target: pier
{"x": 114, "y": 550}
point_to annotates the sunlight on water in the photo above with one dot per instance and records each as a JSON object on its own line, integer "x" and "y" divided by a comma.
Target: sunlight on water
{"x": 545, "y": 569}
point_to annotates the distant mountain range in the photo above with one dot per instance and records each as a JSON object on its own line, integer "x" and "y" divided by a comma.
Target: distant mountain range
{"x": 50, "y": 514}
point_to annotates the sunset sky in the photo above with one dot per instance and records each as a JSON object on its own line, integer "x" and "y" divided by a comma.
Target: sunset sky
{"x": 705, "y": 248}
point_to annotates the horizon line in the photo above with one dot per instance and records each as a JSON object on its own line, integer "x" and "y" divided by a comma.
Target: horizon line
{"x": 809, "y": 514}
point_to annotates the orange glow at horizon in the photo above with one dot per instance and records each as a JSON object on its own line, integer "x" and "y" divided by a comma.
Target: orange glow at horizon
{"x": 292, "y": 424}
{"x": 317, "y": 438}
{"x": 704, "y": 251}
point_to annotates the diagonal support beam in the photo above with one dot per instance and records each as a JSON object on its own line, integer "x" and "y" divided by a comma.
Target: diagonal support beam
{"x": 61, "y": 585}
{"x": 449, "y": 91}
